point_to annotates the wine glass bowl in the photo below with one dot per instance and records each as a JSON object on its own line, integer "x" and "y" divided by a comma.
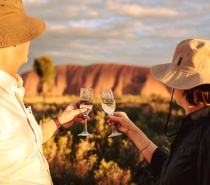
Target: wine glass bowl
{"x": 109, "y": 105}
{"x": 86, "y": 101}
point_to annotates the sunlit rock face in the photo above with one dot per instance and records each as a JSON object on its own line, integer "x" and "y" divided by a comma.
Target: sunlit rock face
{"x": 122, "y": 79}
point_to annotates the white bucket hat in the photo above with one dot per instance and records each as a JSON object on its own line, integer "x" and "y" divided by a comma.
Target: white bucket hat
{"x": 15, "y": 26}
{"x": 190, "y": 66}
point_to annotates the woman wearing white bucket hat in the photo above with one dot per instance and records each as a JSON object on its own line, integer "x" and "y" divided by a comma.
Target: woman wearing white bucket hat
{"x": 189, "y": 77}
{"x": 21, "y": 157}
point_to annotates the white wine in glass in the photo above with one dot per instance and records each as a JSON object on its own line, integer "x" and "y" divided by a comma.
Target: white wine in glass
{"x": 86, "y": 101}
{"x": 108, "y": 104}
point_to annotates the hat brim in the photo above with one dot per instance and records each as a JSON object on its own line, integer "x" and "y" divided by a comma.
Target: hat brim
{"x": 172, "y": 76}
{"x": 21, "y": 32}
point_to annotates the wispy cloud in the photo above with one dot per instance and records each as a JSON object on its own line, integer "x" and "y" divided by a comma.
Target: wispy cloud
{"x": 133, "y": 32}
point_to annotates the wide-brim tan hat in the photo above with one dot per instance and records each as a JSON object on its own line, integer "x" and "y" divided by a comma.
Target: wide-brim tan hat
{"x": 190, "y": 66}
{"x": 15, "y": 26}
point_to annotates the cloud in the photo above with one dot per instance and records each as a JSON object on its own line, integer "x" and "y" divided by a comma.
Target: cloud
{"x": 136, "y": 10}
{"x": 131, "y": 32}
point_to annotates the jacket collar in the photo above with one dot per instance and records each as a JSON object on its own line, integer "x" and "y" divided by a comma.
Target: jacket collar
{"x": 197, "y": 117}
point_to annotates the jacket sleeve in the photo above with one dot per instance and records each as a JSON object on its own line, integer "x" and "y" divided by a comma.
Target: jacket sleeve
{"x": 158, "y": 158}
{"x": 204, "y": 159}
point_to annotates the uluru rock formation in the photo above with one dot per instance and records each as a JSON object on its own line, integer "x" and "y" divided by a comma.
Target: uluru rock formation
{"x": 122, "y": 79}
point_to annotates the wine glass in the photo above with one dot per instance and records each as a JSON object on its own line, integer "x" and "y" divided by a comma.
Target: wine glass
{"x": 109, "y": 105}
{"x": 86, "y": 101}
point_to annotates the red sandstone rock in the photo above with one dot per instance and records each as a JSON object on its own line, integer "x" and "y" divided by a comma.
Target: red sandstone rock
{"x": 122, "y": 79}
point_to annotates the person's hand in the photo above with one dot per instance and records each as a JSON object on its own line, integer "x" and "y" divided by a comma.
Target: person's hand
{"x": 120, "y": 121}
{"x": 73, "y": 114}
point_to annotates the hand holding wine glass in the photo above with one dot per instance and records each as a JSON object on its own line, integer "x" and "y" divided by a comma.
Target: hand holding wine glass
{"x": 86, "y": 101}
{"x": 109, "y": 105}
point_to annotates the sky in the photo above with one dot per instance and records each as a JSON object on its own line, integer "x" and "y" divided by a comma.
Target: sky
{"x": 131, "y": 32}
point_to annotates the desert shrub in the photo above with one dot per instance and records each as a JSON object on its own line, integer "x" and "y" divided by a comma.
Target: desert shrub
{"x": 99, "y": 160}
{"x": 109, "y": 173}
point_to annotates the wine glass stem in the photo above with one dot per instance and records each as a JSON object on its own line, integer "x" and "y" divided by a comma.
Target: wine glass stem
{"x": 113, "y": 129}
{"x": 85, "y": 124}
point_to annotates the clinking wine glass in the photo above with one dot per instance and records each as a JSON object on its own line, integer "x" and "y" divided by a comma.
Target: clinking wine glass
{"x": 86, "y": 101}
{"x": 109, "y": 105}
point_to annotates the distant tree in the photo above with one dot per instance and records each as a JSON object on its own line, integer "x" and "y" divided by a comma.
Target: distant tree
{"x": 44, "y": 68}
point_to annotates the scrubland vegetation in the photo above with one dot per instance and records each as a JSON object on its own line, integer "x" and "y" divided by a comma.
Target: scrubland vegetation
{"x": 99, "y": 160}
